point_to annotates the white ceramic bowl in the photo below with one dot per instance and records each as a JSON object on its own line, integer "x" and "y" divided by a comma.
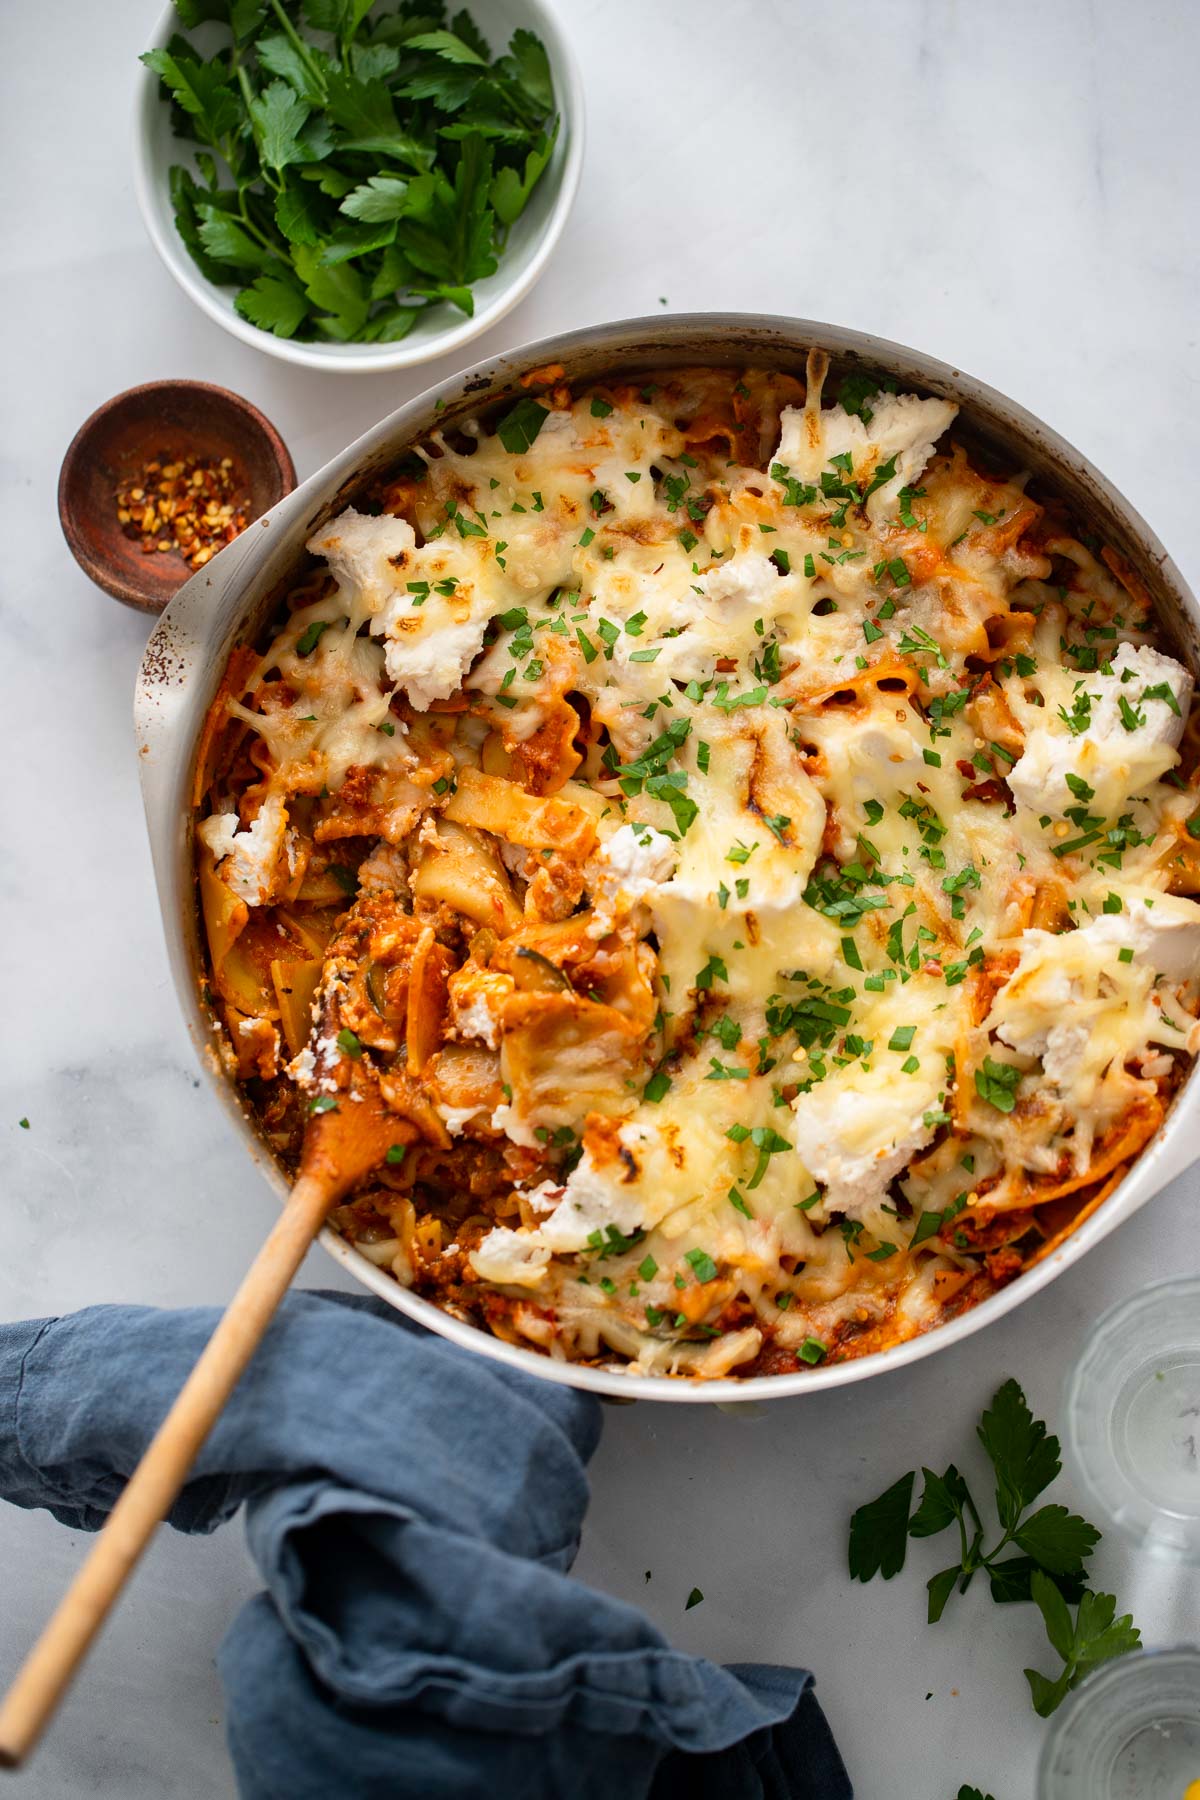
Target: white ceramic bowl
{"x": 530, "y": 245}
{"x": 226, "y": 602}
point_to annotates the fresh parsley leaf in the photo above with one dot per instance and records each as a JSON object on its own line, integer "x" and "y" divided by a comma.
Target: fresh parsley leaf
{"x": 202, "y": 89}
{"x": 378, "y": 199}
{"x": 1093, "y": 1636}
{"x": 297, "y": 215}
{"x": 274, "y": 303}
{"x": 1059, "y": 1541}
{"x": 278, "y": 115}
{"x": 939, "y": 1588}
{"x": 1023, "y": 1454}
{"x": 510, "y": 191}
{"x": 228, "y": 242}
{"x": 944, "y": 1500}
{"x": 1009, "y": 1581}
{"x": 528, "y": 66}
{"x": 879, "y": 1533}
{"x": 302, "y": 65}
{"x": 337, "y": 293}
{"x": 449, "y": 45}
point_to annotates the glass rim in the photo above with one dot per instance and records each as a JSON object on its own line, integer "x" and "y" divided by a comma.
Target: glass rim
{"x": 1155, "y": 1527}
{"x": 1135, "y": 1302}
{"x": 1094, "y": 1685}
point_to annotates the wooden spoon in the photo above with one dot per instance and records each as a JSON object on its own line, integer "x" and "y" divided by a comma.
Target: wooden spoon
{"x": 341, "y": 1145}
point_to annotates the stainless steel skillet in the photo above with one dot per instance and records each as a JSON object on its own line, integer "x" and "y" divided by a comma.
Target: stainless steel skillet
{"x": 226, "y": 603}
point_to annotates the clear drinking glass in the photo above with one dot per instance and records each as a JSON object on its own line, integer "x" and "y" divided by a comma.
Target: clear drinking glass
{"x": 1133, "y": 1418}
{"x": 1131, "y": 1731}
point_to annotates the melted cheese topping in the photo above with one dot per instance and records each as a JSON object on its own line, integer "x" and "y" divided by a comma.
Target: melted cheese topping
{"x": 820, "y": 780}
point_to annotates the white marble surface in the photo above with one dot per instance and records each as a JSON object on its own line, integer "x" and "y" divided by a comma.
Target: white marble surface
{"x": 1009, "y": 187}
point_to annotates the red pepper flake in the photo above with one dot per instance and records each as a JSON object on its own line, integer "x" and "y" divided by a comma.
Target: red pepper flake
{"x": 184, "y": 504}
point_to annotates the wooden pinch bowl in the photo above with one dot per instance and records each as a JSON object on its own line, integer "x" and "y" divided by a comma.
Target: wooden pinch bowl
{"x": 178, "y": 419}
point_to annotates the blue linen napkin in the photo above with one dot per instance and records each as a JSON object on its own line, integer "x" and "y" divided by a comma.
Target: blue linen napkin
{"x": 414, "y": 1511}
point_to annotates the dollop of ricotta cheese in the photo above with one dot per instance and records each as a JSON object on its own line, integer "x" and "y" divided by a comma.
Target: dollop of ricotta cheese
{"x": 248, "y": 858}
{"x": 855, "y": 1132}
{"x": 1133, "y": 727}
{"x": 629, "y": 867}
{"x": 511, "y": 1258}
{"x": 902, "y": 426}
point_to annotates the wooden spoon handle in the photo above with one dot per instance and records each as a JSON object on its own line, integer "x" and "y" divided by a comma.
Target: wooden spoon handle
{"x": 148, "y": 1495}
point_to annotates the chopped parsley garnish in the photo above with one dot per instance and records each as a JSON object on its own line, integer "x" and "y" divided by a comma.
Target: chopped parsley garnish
{"x": 702, "y": 1264}
{"x": 310, "y": 637}
{"x": 997, "y": 1083}
{"x": 519, "y": 428}
{"x": 719, "y": 1071}
{"x": 917, "y": 642}
{"x": 1163, "y": 691}
{"x": 612, "y": 1242}
{"x": 726, "y": 702}
{"x": 767, "y": 1142}
{"x": 1080, "y": 715}
{"x": 713, "y": 970}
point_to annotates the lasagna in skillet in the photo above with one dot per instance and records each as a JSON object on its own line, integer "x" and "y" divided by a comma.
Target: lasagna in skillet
{"x": 750, "y": 840}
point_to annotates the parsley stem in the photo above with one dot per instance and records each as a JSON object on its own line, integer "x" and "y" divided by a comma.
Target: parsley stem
{"x": 300, "y": 47}
{"x": 964, "y": 1553}
{"x": 252, "y": 228}
{"x": 248, "y": 97}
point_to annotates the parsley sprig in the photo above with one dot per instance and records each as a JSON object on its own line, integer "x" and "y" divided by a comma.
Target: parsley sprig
{"x": 1051, "y": 1545}
{"x": 356, "y": 165}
